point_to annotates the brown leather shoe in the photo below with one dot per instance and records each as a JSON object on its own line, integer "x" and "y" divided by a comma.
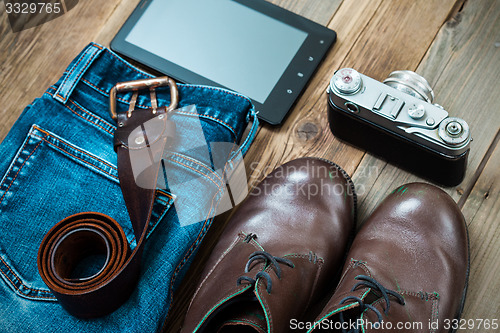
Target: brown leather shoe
{"x": 278, "y": 252}
{"x": 407, "y": 266}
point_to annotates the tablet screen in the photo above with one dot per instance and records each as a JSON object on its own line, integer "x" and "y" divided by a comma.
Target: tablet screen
{"x": 222, "y": 40}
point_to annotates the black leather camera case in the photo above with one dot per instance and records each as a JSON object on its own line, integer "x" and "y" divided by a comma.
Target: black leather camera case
{"x": 397, "y": 150}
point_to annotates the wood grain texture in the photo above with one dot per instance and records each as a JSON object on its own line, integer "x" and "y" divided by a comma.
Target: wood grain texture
{"x": 319, "y": 11}
{"x": 463, "y": 66}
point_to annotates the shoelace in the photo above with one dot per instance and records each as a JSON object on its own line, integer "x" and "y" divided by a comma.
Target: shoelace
{"x": 269, "y": 259}
{"x": 366, "y": 281}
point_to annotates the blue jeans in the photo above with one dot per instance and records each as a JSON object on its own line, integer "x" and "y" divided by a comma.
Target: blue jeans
{"x": 58, "y": 160}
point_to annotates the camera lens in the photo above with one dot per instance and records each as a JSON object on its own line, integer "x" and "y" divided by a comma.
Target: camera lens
{"x": 412, "y": 84}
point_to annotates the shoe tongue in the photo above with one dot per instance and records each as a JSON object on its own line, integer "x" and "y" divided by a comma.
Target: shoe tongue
{"x": 247, "y": 317}
{"x": 220, "y": 283}
{"x": 349, "y": 310}
{"x": 371, "y": 297}
{"x": 287, "y": 297}
{"x": 349, "y": 307}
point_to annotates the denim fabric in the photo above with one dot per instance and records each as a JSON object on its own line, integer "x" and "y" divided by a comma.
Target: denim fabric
{"x": 58, "y": 160}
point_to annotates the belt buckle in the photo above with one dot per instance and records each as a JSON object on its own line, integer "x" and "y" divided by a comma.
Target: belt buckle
{"x": 137, "y": 85}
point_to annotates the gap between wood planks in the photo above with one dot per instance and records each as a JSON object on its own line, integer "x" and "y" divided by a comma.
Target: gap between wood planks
{"x": 459, "y": 6}
{"x": 479, "y": 170}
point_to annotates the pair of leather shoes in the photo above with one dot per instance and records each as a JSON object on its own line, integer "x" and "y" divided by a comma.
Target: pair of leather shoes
{"x": 284, "y": 248}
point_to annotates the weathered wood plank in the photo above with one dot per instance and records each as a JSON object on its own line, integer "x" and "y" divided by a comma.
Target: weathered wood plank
{"x": 388, "y": 41}
{"x": 463, "y": 65}
{"x": 319, "y": 11}
{"x": 481, "y": 210}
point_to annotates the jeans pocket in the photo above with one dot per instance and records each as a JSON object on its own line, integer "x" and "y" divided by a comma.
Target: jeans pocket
{"x": 48, "y": 180}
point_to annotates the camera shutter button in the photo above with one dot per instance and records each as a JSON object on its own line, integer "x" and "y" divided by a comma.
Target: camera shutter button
{"x": 454, "y": 128}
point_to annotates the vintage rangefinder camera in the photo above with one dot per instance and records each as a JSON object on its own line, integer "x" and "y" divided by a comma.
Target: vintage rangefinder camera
{"x": 397, "y": 121}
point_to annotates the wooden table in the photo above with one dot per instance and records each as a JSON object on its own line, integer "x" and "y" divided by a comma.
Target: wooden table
{"x": 455, "y": 44}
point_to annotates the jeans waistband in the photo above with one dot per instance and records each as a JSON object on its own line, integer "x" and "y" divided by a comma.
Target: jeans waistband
{"x": 89, "y": 78}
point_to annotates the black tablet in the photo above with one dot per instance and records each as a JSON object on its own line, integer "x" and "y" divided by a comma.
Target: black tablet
{"x": 250, "y": 46}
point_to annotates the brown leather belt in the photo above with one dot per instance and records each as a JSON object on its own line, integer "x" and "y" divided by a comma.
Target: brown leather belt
{"x": 84, "y": 234}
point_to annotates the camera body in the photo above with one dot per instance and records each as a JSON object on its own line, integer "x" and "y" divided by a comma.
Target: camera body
{"x": 397, "y": 121}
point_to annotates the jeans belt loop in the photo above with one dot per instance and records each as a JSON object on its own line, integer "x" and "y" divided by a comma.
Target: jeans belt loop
{"x": 75, "y": 72}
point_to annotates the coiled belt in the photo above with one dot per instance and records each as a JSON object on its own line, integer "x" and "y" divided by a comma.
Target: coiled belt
{"x": 85, "y": 234}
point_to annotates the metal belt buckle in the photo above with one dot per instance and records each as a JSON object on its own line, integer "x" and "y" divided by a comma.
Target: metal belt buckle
{"x": 137, "y": 85}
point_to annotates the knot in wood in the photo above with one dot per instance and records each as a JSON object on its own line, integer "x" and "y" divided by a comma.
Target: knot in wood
{"x": 307, "y": 131}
